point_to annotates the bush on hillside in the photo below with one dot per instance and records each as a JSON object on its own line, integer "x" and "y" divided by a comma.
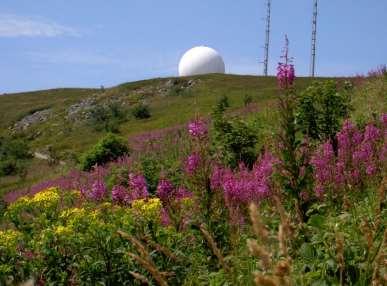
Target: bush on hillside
{"x": 107, "y": 117}
{"x": 14, "y": 154}
{"x": 321, "y": 109}
{"x": 141, "y": 111}
{"x": 107, "y": 149}
{"x": 247, "y": 99}
{"x": 235, "y": 139}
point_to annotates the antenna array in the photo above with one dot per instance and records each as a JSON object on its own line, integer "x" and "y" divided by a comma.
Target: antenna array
{"x": 267, "y": 42}
{"x": 314, "y": 36}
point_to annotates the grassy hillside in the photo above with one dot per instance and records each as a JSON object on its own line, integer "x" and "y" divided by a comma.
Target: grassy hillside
{"x": 172, "y": 101}
{"x": 166, "y": 109}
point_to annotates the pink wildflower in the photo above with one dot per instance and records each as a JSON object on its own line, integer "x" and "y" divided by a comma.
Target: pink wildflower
{"x": 138, "y": 187}
{"x": 198, "y": 129}
{"x": 165, "y": 190}
{"x": 98, "y": 190}
{"x": 192, "y": 163}
{"x": 119, "y": 194}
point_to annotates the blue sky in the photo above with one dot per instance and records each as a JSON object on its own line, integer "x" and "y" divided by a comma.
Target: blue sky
{"x": 88, "y": 43}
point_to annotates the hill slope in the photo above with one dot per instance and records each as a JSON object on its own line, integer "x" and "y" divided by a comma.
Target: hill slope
{"x": 58, "y": 119}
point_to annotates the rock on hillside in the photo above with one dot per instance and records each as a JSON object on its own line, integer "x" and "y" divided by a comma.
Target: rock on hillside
{"x": 32, "y": 119}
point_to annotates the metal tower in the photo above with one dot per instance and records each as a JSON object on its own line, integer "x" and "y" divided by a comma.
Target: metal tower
{"x": 314, "y": 36}
{"x": 267, "y": 42}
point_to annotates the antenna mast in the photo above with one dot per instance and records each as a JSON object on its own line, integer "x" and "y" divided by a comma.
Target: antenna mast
{"x": 314, "y": 36}
{"x": 267, "y": 42}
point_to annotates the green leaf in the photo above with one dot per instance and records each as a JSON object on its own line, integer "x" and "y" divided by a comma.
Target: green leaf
{"x": 316, "y": 221}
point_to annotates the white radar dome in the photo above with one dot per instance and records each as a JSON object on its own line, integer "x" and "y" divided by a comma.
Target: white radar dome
{"x": 201, "y": 60}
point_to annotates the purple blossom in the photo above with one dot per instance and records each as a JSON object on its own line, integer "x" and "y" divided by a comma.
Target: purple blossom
{"x": 165, "y": 219}
{"x": 217, "y": 177}
{"x": 182, "y": 193}
{"x": 285, "y": 75}
{"x": 198, "y": 129}
{"x": 383, "y": 119}
{"x": 192, "y": 163}
{"x": 360, "y": 156}
{"x": 372, "y": 133}
{"x": 119, "y": 194}
{"x": 285, "y": 70}
{"x": 98, "y": 191}
{"x": 138, "y": 187}
{"x": 243, "y": 186}
{"x": 165, "y": 190}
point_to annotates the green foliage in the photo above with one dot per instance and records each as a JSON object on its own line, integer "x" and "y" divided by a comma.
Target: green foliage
{"x": 107, "y": 149}
{"x": 247, "y": 99}
{"x": 141, "y": 111}
{"x": 360, "y": 227}
{"x": 223, "y": 102}
{"x": 107, "y": 117}
{"x": 321, "y": 109}
{"x": 14, "y": 155}
{"x": 235, "y": 138}
{"x": 151, "y": 168}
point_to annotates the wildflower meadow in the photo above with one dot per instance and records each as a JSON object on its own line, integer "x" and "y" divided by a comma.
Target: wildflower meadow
{"x": 217, "y": 201}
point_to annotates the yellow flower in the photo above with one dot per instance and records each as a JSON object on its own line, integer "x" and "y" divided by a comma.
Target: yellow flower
{"x": 47, "y": 198}
{"x": 187, "y": 202}
{"x": 19, "y": 204}
{"x": 63, "y": 230}
{"x": 149, "y": 209}
{"x": 9, "y": 238}
{"x": 73, "y": 215}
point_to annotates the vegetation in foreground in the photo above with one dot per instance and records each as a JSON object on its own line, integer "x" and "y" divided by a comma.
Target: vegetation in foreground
{"x": 223, "y": 203}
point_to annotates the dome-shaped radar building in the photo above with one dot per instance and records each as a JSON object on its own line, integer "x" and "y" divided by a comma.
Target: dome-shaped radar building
{"x": 201, "y": 60}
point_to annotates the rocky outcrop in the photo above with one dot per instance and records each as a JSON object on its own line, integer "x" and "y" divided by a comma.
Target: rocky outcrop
{"x": 81, "y": 109}
{"x": 32, "y": 119}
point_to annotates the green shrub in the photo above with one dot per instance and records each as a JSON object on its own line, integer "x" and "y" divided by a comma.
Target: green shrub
{"x": 235, "y": 138}
{"x": 223, "y": 102}
{"x": 141, "y": 111}
{"x": 321, "y": 109}
{"x": 14, "y": 155}
{"x": 107, "y": 117}
{"x": 107, "y": 149}
{"x": 151, "y": 169}
{"x": 247, "y": 99}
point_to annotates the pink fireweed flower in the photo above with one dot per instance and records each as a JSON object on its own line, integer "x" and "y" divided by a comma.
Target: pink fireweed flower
{"x": 285, "y": 70}
{"x": 192, "y": 163}
{"x": 383, "y": 119}
{"x": 119, "y": 194}
{"x": 198, "y": 129}
{"x": 138, "y": 187}
{"x": 165, "y": 190}
{"x": 98, "y": 190}
{"x": 164, "y": 217}
{"x": 285, "y": 75}
{"x": 243, "y": 186}
{"x": 371, "y": 133}
{"x": 216, "y": 179}
{"x": 182, "y": 193}
{"x": 359, "y": 158}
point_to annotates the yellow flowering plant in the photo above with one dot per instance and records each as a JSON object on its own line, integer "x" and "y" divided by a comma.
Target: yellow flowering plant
{"x": 40, "y": 209}
{"x": 148, "y": 209}
{"x": 12, "y": 263}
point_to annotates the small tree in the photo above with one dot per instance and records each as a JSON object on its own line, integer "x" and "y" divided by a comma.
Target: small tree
{"x": 235, "y": 138}
{"x": 321, "y": 109}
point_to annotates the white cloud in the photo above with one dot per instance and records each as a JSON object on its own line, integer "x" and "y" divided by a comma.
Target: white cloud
{"x": 17, "y": 26}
